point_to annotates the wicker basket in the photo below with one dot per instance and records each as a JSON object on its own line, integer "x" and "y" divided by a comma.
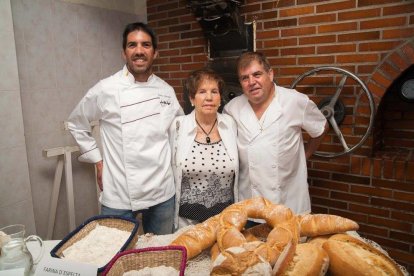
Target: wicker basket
{"x": 121, "y": 223}
{"x": 136, "y": 259}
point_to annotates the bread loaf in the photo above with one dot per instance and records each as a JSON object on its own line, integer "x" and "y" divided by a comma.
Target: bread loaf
{"x": 214, "y": 252}
{"x": 351, "y": 256}
{"x": 279, "y": 237}
{"x": 229, "y": 237}
{"x": 258, "y": 247}
{"x": 239, "y": 261}
{"x": 263, "y": 249}
{"x": 199, "y": 237}
{"x": 309, "y": 259}
{"x": 319, "y": 240}
{"x": 322, "y": 224}
{"x": 285, "y": 257}
{"x": 282, "y": 226}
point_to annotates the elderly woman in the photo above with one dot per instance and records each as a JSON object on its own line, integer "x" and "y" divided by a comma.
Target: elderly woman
{"x": 204, "y": 153}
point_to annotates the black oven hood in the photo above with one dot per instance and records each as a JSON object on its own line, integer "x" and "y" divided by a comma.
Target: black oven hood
{"x": 224, "y": 28}
{"x": 228, "y": 36}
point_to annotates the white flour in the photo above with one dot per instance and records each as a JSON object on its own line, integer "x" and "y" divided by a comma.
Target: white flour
{"x": 98, "y": 246}
{"x": 198, "y": 266}
{"x": 153, "y": 271}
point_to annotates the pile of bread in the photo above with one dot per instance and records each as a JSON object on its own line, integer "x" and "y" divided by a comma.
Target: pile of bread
{"x": 276, "y": 247}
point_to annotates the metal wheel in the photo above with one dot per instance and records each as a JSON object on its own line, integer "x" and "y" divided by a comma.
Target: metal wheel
{"x": 331, "y": 108}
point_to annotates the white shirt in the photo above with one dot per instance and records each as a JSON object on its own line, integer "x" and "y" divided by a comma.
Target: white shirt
{"x": 183, "y": 132}
{"x": 271, "y": 151}
{"x": 134, "y": 118}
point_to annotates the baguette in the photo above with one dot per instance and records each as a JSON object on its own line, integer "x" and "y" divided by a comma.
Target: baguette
{"x": 309, "y": 259}
{"x": 351, "y": 256}
{"x": 322, "y": 224}
{"x": 199, "y": 237}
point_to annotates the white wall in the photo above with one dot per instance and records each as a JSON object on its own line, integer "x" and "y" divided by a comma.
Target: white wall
{"x": 63, "y": 48}
{"x": 15, "y": 194}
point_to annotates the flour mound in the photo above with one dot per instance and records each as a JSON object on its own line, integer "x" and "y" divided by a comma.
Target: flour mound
{"x": 98, "y": 246}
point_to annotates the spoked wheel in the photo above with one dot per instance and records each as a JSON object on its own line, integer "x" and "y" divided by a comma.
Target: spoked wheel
{"x": 334, "y": 110}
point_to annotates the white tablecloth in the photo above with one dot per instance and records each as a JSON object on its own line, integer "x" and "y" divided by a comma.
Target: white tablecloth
{"x": 198, "y": 266}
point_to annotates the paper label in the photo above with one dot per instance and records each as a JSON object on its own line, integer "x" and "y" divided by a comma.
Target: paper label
{"x": 54, "y": 266}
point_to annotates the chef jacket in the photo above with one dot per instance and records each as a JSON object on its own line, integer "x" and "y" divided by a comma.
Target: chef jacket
{"x": 271, "y": 150}
{"x": 134, "y": 118}
{"x": 183, "y": 131}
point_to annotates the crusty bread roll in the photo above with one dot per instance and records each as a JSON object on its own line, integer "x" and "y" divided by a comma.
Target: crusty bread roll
{"x": 214, "y": 252}
{"x": 352, "y": 256}
{"x": 199, "y": 237}
{"x": 234, "y": 216}
{"x": 319, "y": 240}
{"x": 309, "y": 259}
{"x": 229, "y": 237}
{"x": 323, "y": 224}
{"x": 258, "y": 247}
{"x": 285, "y": 257}
{"x": 239, "y": 261}
{"x": 279, "y": 237}
{"x": 264, "y": 250}
{"x": 292, "y": 225}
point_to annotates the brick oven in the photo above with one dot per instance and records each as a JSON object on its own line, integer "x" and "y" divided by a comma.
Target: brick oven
{"x": 373, "y": 185}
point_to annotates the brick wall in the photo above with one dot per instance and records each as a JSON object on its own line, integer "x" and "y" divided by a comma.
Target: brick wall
{"x": 372, "y": 39}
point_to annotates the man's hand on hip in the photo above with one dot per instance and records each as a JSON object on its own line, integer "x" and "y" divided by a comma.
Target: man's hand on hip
{"x": 99, "y": 167}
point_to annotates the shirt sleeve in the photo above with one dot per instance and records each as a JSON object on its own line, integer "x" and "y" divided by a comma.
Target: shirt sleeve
{"x": 313, "y": 120}
{"x": 79, "y": 124}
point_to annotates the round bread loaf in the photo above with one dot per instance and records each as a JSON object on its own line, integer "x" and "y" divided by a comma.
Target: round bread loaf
{"x": 309, "y": 259}
{"x": 351, "y": 256}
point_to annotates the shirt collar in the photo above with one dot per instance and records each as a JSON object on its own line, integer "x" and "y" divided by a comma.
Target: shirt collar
{"x": 131, "y": 79}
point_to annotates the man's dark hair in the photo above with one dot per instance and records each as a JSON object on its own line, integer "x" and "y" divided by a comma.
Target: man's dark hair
{"x": 246, "y": 58}
{"x": 138, "y": 26}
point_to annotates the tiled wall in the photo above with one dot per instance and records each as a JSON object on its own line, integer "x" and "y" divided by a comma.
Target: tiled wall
{"x": 15, "y": 196}
{"x": 63, "y": 48}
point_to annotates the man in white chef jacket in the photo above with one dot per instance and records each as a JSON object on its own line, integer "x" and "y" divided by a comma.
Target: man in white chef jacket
{"x": 270, "y": 120}
{"x": 134, "y": 108}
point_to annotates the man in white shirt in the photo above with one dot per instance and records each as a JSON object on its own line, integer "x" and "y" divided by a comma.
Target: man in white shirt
{"x": 134, "y": 108}
{"x": 270, "y": 120}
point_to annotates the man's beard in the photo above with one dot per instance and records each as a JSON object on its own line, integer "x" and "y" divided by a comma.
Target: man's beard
{"x": 136, "y": 70}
